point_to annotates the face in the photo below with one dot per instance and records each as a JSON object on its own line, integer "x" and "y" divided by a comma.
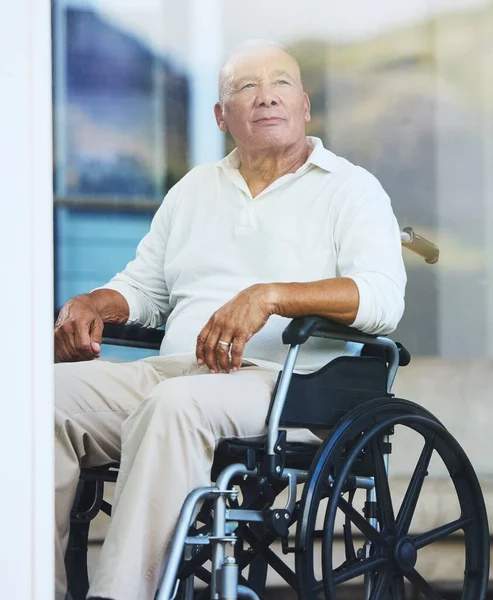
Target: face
{"x": 263, "y": 104}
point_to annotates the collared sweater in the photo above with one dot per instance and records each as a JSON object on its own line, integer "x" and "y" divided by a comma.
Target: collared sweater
{"x": 210, "y": 239}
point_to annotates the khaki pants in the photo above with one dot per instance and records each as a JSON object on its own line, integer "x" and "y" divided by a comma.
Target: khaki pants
{"x": 162, "y": 418}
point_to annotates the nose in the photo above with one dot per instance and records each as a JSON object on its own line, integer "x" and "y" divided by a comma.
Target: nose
{"x": 271, "y": 102}
{"x": 267, "y": 97}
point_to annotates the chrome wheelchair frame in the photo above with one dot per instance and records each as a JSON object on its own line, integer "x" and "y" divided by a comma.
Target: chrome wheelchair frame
{"x": 389, "y": 552}
{"x": 224, "y": 569}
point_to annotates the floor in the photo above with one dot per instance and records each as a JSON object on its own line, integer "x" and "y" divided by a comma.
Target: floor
{"x": 447, "y": 592}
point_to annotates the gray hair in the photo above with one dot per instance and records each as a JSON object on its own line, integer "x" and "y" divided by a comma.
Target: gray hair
{"x": 255, "y": 44}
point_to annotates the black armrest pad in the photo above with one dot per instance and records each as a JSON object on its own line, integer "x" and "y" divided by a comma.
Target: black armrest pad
{"x": 301, "y": 328}
{"x": 133, "y": 336}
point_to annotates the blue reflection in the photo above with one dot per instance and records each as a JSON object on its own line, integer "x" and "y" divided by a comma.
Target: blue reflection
{"x": 120, "y": 108}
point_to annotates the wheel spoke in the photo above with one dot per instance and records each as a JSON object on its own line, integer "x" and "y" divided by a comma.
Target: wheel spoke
{"x": 374, "y": 536}
{"x": 423, "y": 586}
{"x": 381, "y": 586}
{"x": 398, "y": 592}
{"x": 359, "y": 568}
{"x": 425, "y": 539}
{"x": 384, "y": 499}
{"x": 408, "y": 506}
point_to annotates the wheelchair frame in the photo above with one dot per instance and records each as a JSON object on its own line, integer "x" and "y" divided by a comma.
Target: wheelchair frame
{"x": 224, "y": 569}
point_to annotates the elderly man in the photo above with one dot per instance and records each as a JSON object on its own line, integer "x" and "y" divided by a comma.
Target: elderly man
{"x": 278, "y": 229}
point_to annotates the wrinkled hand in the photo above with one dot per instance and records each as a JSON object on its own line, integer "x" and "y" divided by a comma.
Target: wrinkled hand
{"x": 235, "y": 322}
{"x": 78, "y": 331}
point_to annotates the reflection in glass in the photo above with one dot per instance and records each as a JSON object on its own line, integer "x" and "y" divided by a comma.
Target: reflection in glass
{"x": 123, "y": 106}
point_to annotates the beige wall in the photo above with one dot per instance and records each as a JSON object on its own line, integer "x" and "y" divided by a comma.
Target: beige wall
{"x": 460, "y": 394}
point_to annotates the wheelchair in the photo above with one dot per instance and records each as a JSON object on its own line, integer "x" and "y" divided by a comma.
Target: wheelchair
{"x": 225, "y": 533}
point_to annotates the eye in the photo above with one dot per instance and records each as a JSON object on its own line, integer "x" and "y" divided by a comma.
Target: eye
{"x": 248, "y": 85}
{"x": 282, "y": 81}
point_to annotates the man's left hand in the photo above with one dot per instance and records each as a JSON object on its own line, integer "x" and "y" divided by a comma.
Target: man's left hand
{"x": 234, "y": 323}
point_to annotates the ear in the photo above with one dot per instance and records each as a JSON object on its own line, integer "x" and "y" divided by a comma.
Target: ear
{"x": 308, "y": 116}
{"x": 218, "y": 112}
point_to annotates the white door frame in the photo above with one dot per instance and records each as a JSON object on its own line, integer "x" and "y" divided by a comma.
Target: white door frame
{"x": 26, "y": 301}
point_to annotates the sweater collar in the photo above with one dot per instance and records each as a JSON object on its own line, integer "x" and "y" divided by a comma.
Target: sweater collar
{"x": 319, "y": 156}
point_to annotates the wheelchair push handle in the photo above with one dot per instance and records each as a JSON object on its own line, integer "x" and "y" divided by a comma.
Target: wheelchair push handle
{"x": 419, "y": 245}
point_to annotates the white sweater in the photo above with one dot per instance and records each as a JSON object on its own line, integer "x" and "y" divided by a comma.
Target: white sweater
{"x": 210, "y": 239}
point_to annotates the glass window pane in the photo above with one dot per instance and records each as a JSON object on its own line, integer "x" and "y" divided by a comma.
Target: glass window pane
{"x": 405, "y": 90}
{"x": 121, "y": 104}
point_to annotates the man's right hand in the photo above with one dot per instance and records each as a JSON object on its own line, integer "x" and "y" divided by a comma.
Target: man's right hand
{"x": 78, "y": 330}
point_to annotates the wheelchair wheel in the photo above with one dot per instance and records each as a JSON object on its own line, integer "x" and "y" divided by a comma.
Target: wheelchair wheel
{"x": 392, "y": 553}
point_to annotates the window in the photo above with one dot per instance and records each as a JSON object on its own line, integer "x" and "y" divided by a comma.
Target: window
{"x": 404, "y": 90}
{"x": 121, "y": 137}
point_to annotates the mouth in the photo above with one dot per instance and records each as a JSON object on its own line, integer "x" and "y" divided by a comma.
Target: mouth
{"x": 269, "y": 120}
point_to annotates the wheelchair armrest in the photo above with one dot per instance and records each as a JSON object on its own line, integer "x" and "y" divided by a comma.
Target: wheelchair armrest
{"x": 301, "y": 328}
{"x": 132, "y": 336}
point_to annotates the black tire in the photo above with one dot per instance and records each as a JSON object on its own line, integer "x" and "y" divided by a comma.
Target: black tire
{"x": 355, "y": 447}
